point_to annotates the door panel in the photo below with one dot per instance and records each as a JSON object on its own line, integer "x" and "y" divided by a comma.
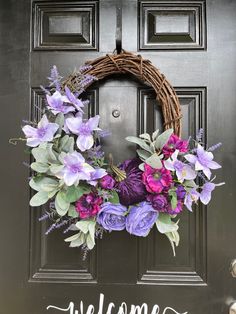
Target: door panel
{"x": 193, "y": 43}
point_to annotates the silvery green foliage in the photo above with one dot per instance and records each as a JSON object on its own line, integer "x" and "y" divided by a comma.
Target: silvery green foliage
{"x": 86, "y": 234}
{"x": 170, "y": 228}
{"x": 150, "y": 147}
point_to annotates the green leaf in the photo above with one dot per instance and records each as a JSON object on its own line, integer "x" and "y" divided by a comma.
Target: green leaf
{"x": 165, "y": 224}
{"x": 154, "y": 161}
{"x": 45, "y": 184}
{"x": 73, "y": 237}
{"x": 53, "y": 156}
{"x": 83, "y": 225}
{"x": 145, "y": 136}
{"x": 61, "y": 157}
{"x": 79, "y": 241}
{"x": 39, "y": 167}
{"x": 190, "y": 183}
{"x": 173, "y": 237}
{"x": 39, "y": 199}
{"x": 40, "y": 154}
{"x": 60, "y": 120}
{"x": 143, "y": 154}
{"x": 141, "y": 166}
{"x": 54, "y": 168}
{"x": 90, "y": 241}
{"x": 114, "y": 197}
{"x": 163, "y": 139}
{"x": 61, "y": 204}
{"x": 140, "y": 142}
{"x": 73, "y": 193}
{"x": 154, "y": 135}
{"x": 174, "y": 200}
{"x": 72, "y": 212}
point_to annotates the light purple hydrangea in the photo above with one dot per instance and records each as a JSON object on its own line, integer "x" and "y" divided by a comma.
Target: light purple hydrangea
{"x": 84, "y": 130}
{"x": 74, "y": 100}
{"x": 43, "y": 133}
{"x": 203, "y": 161}
{"x": 75, "y": 169}
{"x": 191, "y": 197}
{"x": 59, "y": 103}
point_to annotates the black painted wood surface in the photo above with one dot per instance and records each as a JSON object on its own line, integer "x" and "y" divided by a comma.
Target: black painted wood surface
{"x": 193, "y": 43}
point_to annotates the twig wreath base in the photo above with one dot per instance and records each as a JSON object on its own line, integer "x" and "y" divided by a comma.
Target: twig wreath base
{"x": 85, "y": 191}
{"x": 145, "y": 71}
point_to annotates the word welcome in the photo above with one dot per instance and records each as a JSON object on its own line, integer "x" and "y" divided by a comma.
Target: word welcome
{"x": 112, "y": 308}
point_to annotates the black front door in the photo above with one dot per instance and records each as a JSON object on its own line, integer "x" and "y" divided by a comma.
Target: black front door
{"x": 193, "y": 43}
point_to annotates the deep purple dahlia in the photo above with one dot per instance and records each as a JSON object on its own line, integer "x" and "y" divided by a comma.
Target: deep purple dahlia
{"x": 131, "y": 190}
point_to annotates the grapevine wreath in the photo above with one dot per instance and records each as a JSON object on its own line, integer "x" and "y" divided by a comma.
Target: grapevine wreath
{"x": 87, "y": 193}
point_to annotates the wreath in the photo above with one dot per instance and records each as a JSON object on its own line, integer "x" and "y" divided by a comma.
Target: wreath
{"x": 89, "y": 194}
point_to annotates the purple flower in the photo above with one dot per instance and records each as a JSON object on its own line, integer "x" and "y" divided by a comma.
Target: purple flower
{"x": 205, "y": 195}
{"x": 112, "y": 216}
{"x": 180, "y": 192}
{"x": 88, "y": 205}
{"x": 131, "y": 189}
{"x": 75, "y": 169}
{"x": 96, "y": 174}
{"x": 57, "y": 103}
{"x": 158, "y": 201}
{"x": 107, "y": 182}
{"x": 43, "y": 133}
{"x": 191, "y": 197}
{"x": 73, "y": 100}
{"x": 203, "y": 161}
{"x": 141, "y": 219}
{"x": 156, "y": 180}
{"x": 84, "y": 131}
{"x": 183, "y": 171}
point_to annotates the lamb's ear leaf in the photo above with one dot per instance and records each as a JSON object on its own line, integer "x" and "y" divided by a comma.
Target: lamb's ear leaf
{"x": 39, "y": 167}
{"x": 139, "y": 141}
{"x": 154, "y": 161}
{"x": 163, "y": 138}
{"x": 143, "y": 154}
{"x": 145, "y": 136}
{"x": 61, "y": 204}
{"x": 39, "y": 199}
{"x": 165, "y": 225}
{"x": 154, "y": 135}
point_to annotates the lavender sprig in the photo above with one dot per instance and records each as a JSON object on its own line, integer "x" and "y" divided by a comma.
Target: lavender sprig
{"x": 214, "y": 147}
{"x": 199, "y": 135}
{"x": 55, "y": 78}
{"x": 44, "y": 216}
{"x": 50, "y": 229}
{"x": 85, "y": 67}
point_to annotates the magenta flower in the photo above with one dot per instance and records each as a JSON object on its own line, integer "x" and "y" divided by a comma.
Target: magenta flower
{"x": 75, "y": 169}
{"x": 84, "y": 130}
{"x": 174, "y": 143}
{"x": 183, "y": 171}
{"x": 43, "y": 133}
{"x": 156, "y": 180}
{"x": 58, "y": 103}
{"x": 203, "y": 161}
{"x": 74, "y": 100}
{"x": 191, "y": 197}
{"x": 88, "y": 205}
{"x": 107, "y": 182}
